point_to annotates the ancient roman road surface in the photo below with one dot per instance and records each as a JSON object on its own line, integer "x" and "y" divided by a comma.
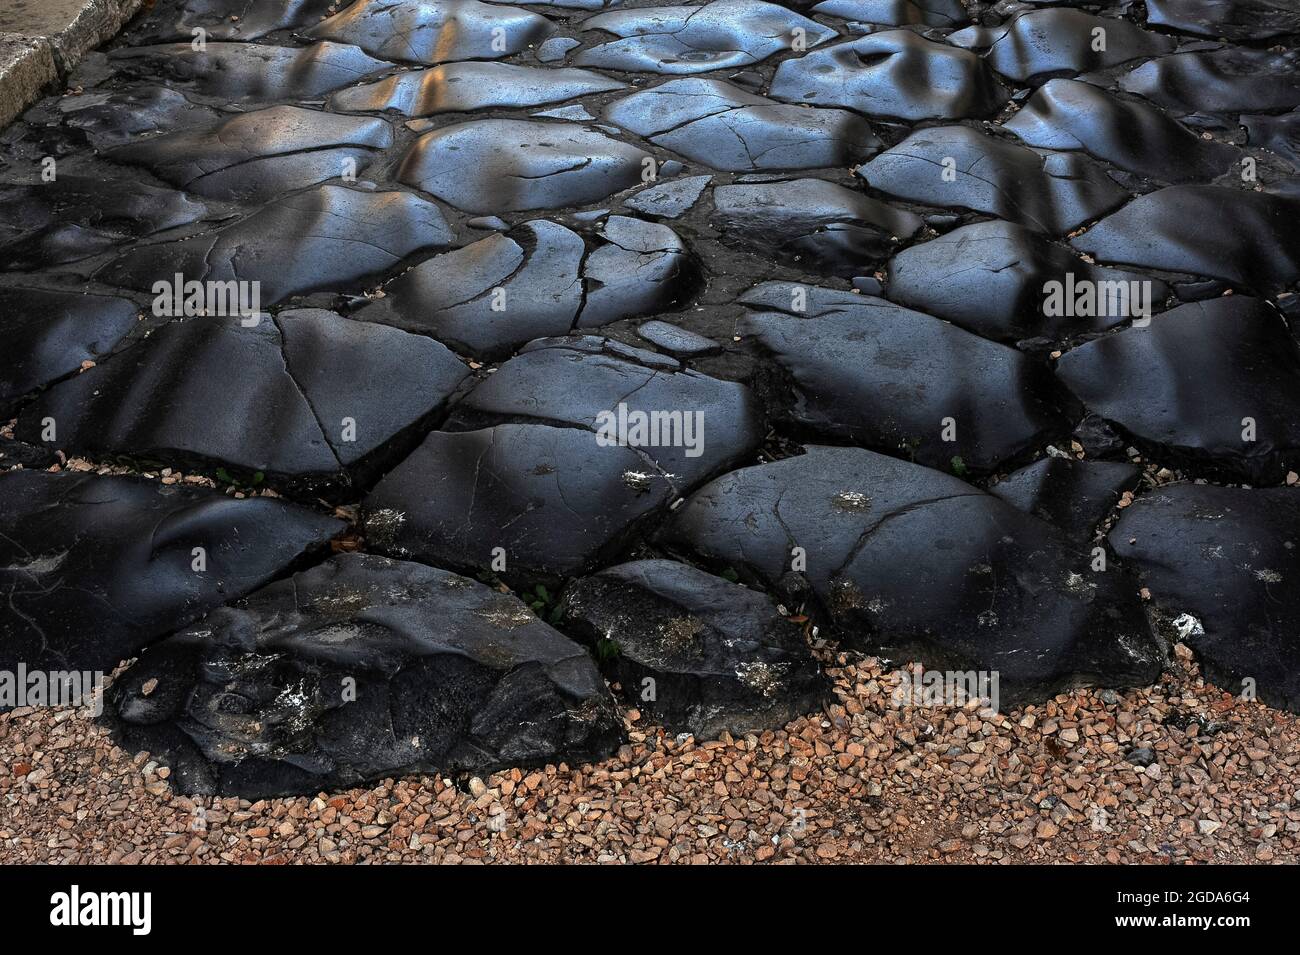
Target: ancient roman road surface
{"x": 388, "y": 378}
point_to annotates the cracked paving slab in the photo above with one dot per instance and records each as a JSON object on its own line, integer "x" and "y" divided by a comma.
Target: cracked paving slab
{"x": 714, "y": 122}
{"x": 999, "y": 590}
{"x": 256, "y": 72}
{"x": 1186, "y": 382}
{"x": 83, "y": 217}
{"x": 330, "y": 237}
{"x": 894, "y": 74}
{"x": 307, "y": 397}
{"x": 956, "y": 166}
{"x": 258, "y": 156}
{"x": 539, "y": 280}
{"x": 94, "y": 568}
{"x": 499, "y": 689}
{"x": 878, "y": 375}
{"x": 834, "y": 229}
{"x": 465, "y": 87}
{"x": 722, "y": 657}
{"x": 510, "y": 165}
{"x": 435, "y": 31}
{"x": 697, "y": 39}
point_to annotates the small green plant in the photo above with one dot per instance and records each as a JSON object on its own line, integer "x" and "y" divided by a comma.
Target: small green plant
{"x": 731, "y": 575}
{"x": 542, "y": 603}
{"x": 225, "y": 477}
{"x": 606, "y": 649}
{"x": 959, "y": 466}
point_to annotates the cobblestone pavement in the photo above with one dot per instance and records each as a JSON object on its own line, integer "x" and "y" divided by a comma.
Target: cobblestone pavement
{"x": 417, "y": 389}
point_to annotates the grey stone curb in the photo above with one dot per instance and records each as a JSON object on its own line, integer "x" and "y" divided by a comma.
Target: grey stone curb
{"x": 42, "y": 40}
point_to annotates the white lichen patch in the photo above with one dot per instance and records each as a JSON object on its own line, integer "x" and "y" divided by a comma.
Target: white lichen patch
{"x": 764, "y": 678}
{"x": 1079, "y": 585}
{"x": 1188, "y": 626}
{"x": 38, "y": 565}
{"x": 852, "y": 501}
{"x": 637, "y": 480}
{"x": 506, "y": 614}
{"x": 383, "y": 525}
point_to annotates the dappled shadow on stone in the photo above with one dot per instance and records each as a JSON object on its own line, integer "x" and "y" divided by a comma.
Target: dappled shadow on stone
{"x": 696, "y": 39}
{"x": 896, "y": 75}
{"x": 508, "y": 165}
{"x": 331, "y": 237}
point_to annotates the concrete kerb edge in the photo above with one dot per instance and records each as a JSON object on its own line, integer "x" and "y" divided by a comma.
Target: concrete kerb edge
{"x": 31, "y": 60}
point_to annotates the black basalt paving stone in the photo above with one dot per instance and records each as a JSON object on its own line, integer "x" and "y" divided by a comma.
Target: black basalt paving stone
{"x": 1232, "y": 19}
{"x": 992, "y": 278}
{"x": 79, "y": 216}
{"x": 1066, "y": 114}
{"x": 668, "y": 200}
{"x": 257, "y": 156}
{"x": 1186, "y": 383}
{"x": 831, "y": 229}
{"x": 48, "y": 334}
{"x": 1074, "y": 495}
{"x": 563, "y": 6}
{"x": 641, "y": 267}
{"x": 933, "y": 13}
{"x": 894, "y": 74}
{"x": 252, "y": 71}
{"x": 465, "y": 87}
{"x": 1248, "y": 237}
{"x": 275, "y": 397}
{"x": 1281, "y": 134}
{"x": 110, "y": 119}
{"x": 721, "y": 658}
{"x": 435, "y": 31}
{"x": 554, "y": 500}
{"x": 453, "y": 296}
{"x": 330, "y": 237}
{"x": 225, "y": 19}
{"x": 1230, "y": 79}
{"x": 358, "y": 669}
{"x": 714, "y": 122}
{"x": 676, "y": 340}
{"x": 911, "y": 563}
{"x": 696, "y": 39}
{"x": 878, "y": 374}
{"x": 94, "y": 568}
{"x": 1229, "y": 558}
{"x": 502, "y": 291}
{"x": 575, "y": 381}
{"x": 508, "y": 165}
{"x": 959, "y": 167}
{"x": 1045, "y": 42}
